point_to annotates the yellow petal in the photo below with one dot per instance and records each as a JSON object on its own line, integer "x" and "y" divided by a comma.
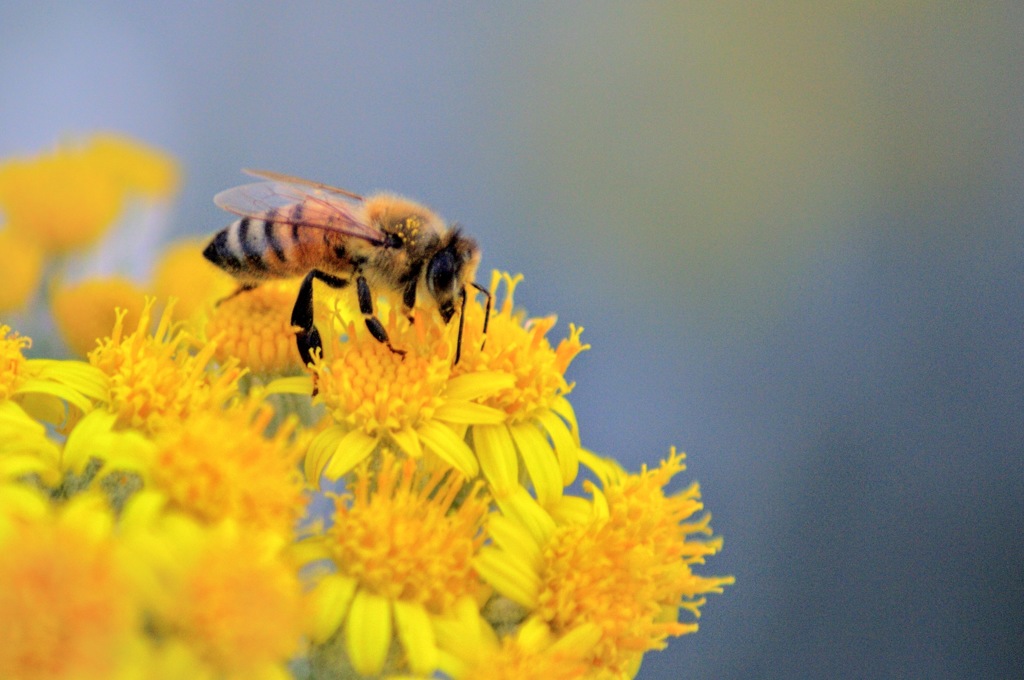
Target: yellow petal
{"x": 565, "y": 445}
{"x": 320, "y": 450}
{"x": 368, "y": 633}
{"x": 351, "y": 451}
{"x": 518, "y": 585}
{"x": 447, "y": 445}
{"x": 562, "y": 407}
{"x": 329, "y": 601}
{"x": 299, "y": 384}
{"x": 524, "y": 509}
{"x": 475, "y": 385}
{"x": 518, "y": 543}
{"x": 417, "y": 636}
{"x": 409, "y": 442}
{"x": 78, "y": 375}
{"x": 35, "y": 386}
{"x": 540, "y": 461}
{"x": 470, "y": 413}
{"x": 497, "y": 455}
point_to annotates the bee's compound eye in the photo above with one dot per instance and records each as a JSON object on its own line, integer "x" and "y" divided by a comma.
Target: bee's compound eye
{"x": 441, "y": 273}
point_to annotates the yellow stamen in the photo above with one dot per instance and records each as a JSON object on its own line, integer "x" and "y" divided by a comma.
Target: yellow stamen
{"x": 255, "y": 328}
{"x": 154, "y": 379}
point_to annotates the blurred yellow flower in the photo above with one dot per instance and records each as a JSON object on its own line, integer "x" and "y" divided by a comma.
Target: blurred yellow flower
{"x": 21, "y": 261}
{"x": 225, "y": 593}
{"x": 84, "y": 312}
{"x": 223, "y": 464}
{"x": 68, "y": 596}
{"x": 183, "y": 273}
{"x": 66, "y": 199}
{"x": 137, "y": 167}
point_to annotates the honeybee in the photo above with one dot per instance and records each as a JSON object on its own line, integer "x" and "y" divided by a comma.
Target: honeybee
{"x": 291, "y": 226}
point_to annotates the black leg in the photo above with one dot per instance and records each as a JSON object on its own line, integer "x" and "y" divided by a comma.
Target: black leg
{"x": 462, "y": 316}
{"x": 307, "y": 338}
{"x": 242, "y": 288}
{"x": 487, "y": 311}
{"x": 373, "y": 324}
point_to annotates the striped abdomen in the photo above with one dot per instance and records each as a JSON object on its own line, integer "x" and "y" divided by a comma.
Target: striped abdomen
{"x": 252, "y": 248}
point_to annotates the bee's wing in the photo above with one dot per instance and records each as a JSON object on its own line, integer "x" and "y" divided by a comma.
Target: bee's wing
{"x": 299, "y": 182}
{"x": 293, "y": 201}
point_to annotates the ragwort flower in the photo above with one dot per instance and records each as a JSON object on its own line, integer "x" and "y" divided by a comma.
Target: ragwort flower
{"x": 539, "y": 424}
{"x": 155, "y": 378}
{"x": 69, "y": 594}
{"x": 402, "y": 548}
{"x": 626, "y": 568}
{"x": 223, "y": 464}
{"x": 68, "y": 198}
{"x": 228, "y": 596}
{"x": 183, "y": 273}
{"x": 254, "y": 327}
{"x": 378, "y": 397}
{"x": 470, "y": 649}
{"x": 84, "y": 311}
{"x": 21, "y": 261}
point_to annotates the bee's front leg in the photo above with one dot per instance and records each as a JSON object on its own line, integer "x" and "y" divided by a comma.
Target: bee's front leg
{"x": 307, "y": 338}
{"x": 409, "y": 296}
{"x": 374, "y": 325}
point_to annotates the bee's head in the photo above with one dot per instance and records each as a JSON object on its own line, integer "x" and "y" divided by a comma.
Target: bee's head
{"x": 448, "y": 270}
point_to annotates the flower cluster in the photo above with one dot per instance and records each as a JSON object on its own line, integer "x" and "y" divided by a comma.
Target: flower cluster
{"x": 190, "y": 500}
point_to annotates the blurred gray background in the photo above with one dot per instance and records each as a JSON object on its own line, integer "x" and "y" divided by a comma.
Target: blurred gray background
{"x": 793, "y": 234}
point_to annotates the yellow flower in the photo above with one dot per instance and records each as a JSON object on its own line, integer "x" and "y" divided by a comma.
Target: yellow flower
{"x": 403, "y": 552}
{"x": 84, "y": 312}
{"x": 539, "y": 422}
{"x": 68, "y": 600}
{"x": 471, "y": 650}
{"x": 226, "y": 594}
{"x": 376, "y": 396}
{"x": 12, "y": 361}
{"x": 21, "y": 261}
{"x": 626, "y": 568}
{"x": 43, "y": 386}
{"x": 154, "y": 378}
{"x": 68, "y": 198}
{"x": 24, "y": 447}
{"x": 255, "y": 328}
{"x": 184, "y": 274}
{"x": 137, "y": 167}
{"x": 222, "y": 465}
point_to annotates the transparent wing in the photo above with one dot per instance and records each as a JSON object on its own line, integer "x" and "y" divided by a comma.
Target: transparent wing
{"x": 295, "y": 201}
{"x": 298, "y": 182}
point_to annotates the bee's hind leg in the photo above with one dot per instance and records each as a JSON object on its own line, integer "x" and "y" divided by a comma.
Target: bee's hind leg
{"x": 307, "y": 338}
{"x": 373, "y": 324}
{"x": 242, "y": 288}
